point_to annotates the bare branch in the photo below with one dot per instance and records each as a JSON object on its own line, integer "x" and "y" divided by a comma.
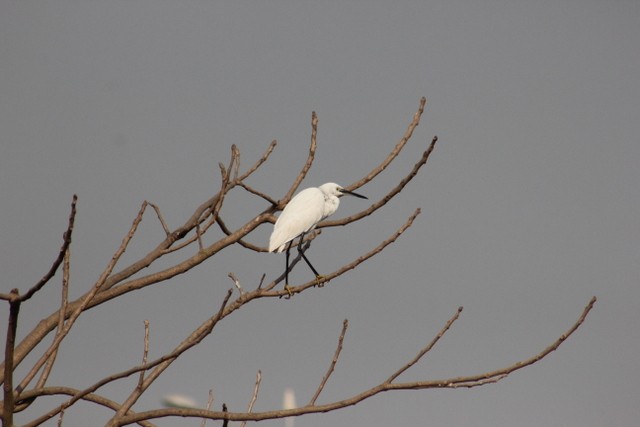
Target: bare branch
{"x": 260, "y": 161}
{"x": 68, "y": 391}
{"x": 307, "y": 165}
{"x": 396, "y": 150}
{"x": 254, "y": 397}
{"x": 85, "y": 301}
{"x": 479, "y": 383}
{"x": 107, "y": 293}
{"x": 390, "y": 195}
{"x": 542, "y": 354}
{"x": 63, "y": 305}
{"x": 209, "y": 403}
{"x": 145, "y": 352}
{"x": 65, "y": 244}
{"x": 200, "y": 230}
{"x": 345, "y": 325}
{"x": 213, "y": 210}
{"x": 196, "y": 336}
{"x": 182, "y": 267}
{"x": 236, "y": 282}
{"x": 228, "y": 232}
{"x": 226, "y": 179}
{"x": 12, "y": 325}
{"x": 451, "y": 383}
{"x": 426, "y": 349}
{"x": 160, "y": 218}
{"x": 199, "y": 237}
{"x": 257, "y": 193}
{"x": 236, "y": 156}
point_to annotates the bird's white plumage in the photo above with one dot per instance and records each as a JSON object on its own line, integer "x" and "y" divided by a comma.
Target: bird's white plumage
{"x": 305, "y": 210}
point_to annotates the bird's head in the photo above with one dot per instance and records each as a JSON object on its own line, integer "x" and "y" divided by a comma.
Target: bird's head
{"x": 333, "y": 189}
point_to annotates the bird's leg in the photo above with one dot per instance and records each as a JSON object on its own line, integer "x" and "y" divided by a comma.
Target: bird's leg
{"x": 319, "y": 277}
{"x": 286, "y": 274}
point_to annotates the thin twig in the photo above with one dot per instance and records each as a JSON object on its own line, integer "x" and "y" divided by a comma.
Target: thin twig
{"x": 199, "y": 237}
{"x": 200, "y": 230}
{"x": 244, "y": 244}
{"x": 390, "y": 195}
{"x": 215, "y": 207}
{"x": 479, "y": 383}
{"x": 236, "y": 282}
{"x": 307, "y": 164}
{"x": 345, "y": 325}
{"x": 426, "y": 349}
{"x": 236, "y": 168}
{"x": 260, "y": 161}
{"x": 257, "y": 193}
{"x": 65, "y": 244}
{"x": 160, "y": 218}
{"x": 396, "y": 150}
{"x": 205, "y": 222}
{"x": 226, "y": 179}
{"x": 145, "y": 352}
{"x": 209, "y": 403}
{"x": 63, "y": 307}
{"x": 254, "y": 397}
{"x": 256, "y": 389}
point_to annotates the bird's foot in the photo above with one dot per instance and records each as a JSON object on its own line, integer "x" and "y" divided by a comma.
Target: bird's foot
{"x": 289, "y": 291}
{"x": 319, "y": 279}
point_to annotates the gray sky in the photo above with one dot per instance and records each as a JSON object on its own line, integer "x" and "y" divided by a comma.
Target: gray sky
{"x": 530, "y": 201}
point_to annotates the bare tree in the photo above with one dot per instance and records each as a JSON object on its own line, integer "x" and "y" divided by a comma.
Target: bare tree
{"x": 21, "y": 393}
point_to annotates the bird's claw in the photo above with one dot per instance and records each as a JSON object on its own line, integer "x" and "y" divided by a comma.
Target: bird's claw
{"x": 319, "y": 279}
{"x": 289, "y": 291}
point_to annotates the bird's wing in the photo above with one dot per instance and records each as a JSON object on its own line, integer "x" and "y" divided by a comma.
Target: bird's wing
{"x": 300, "y": 215}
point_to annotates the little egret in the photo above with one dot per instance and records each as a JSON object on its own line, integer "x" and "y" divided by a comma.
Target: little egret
{"x": 301, "y": 215}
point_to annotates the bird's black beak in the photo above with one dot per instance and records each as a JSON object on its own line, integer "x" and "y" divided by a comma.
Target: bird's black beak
{"x": 351, "y": 193}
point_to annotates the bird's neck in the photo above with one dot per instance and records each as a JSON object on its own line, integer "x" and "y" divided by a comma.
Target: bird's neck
{"x": 330, "y": 206}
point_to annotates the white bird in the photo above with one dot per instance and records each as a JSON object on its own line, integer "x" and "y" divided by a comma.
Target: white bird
{"x": 301, "y": 215}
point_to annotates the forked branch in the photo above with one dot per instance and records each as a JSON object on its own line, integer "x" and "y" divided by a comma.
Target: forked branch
{"x": 387, "y": 385}
{"x": 345, "y": 325}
